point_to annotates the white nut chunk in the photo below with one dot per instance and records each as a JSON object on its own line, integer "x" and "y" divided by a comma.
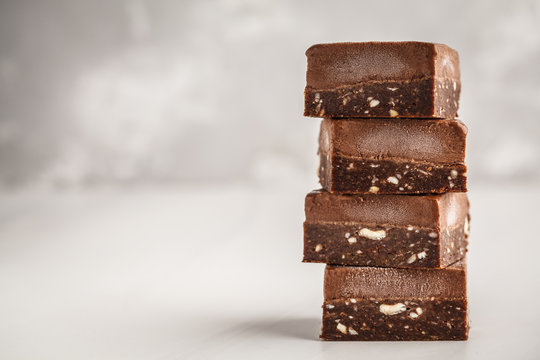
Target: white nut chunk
{"x": 393, "y": 180}
{"x": 413, "y": 315}
{"x": 374, "y": 103}
{"x": 392, "y": 309}
{"x": 372, "y": 234}
{"x": 318, "y": 248}
{"x": 342, "y": 328}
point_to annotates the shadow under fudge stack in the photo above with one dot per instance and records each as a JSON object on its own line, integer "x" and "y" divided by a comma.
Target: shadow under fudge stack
{"x": 392, "y": 219}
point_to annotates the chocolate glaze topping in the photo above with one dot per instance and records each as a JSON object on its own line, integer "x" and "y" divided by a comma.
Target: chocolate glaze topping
{"x": 371, "y": 282}
{"x": 338, "y": 64}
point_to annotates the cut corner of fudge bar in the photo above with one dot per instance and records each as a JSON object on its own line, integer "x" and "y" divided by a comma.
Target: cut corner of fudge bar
{"x": 425, "y": 231}
{"x": 385, "y": 156}
{"x": 382, "y": 79}
{"x": 372, "y": 304}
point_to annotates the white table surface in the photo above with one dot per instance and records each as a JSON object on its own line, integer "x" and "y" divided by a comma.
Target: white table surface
{"x": 213, "y": 272}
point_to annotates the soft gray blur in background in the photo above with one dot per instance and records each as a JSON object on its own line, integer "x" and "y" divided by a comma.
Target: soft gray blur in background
{"x": 183, "y": 91}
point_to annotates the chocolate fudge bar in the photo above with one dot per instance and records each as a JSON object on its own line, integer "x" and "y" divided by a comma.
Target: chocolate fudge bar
{"x": 382, "y": 79}
{"x": 366, "y": 303}
{"x": 392, "y": 156}
{"x": 404, "y": 231}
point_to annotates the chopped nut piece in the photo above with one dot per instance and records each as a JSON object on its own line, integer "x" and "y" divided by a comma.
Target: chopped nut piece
{"x": 393, "y": 180}
{"x": 318, "y": 248}
{"x": 413, "y": 315}
{"x": 393, "y": 309}
{"x": 411, "y": 259}
{"x": 342, "y": 328}
{"x": 374, "y": 103}
{"x": 351, "y": 240}
{"x": 393, "y": 113}
{"x": 374, "y": 189}
{"x": 372, "y": 234}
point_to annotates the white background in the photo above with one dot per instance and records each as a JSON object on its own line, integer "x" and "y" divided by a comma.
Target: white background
{"x": 154, "y": 161}
{"x": 182, "y": 274}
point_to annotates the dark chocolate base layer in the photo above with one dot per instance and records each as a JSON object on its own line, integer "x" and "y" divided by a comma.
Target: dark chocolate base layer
{"x": 383, "y": 246}
{"x": 419, "y": 98}
{"x": 358, "y": 176}
{"x": 395, "y": 319}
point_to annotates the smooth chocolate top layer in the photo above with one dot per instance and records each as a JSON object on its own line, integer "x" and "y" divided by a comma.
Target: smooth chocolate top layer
{"x": 370, "y": 282}
{"x": 339, "y": 64}
{"x": 446, "y": 210}
{"x": 439, "y": 141}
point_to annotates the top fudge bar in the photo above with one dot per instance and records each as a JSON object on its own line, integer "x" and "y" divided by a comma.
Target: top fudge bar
{"x": 382, "y": 79}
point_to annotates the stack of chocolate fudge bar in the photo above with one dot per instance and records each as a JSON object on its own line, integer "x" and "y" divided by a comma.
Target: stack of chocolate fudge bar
{"x": 392, "y": 219}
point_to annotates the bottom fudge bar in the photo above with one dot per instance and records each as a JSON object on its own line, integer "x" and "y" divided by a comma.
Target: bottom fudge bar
{"x": 365, "y": 303}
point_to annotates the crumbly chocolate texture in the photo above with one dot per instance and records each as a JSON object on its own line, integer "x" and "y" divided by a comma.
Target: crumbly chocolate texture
{"x": 382, "y": 79}
{"x": 386, "y": 156}
{"x": 349, "y": 175}
{"x": 423, "y": 98}
{"x": 366, "y": 303}
{"x": 403, "y": 319}
{"x": 386, "y": 230}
